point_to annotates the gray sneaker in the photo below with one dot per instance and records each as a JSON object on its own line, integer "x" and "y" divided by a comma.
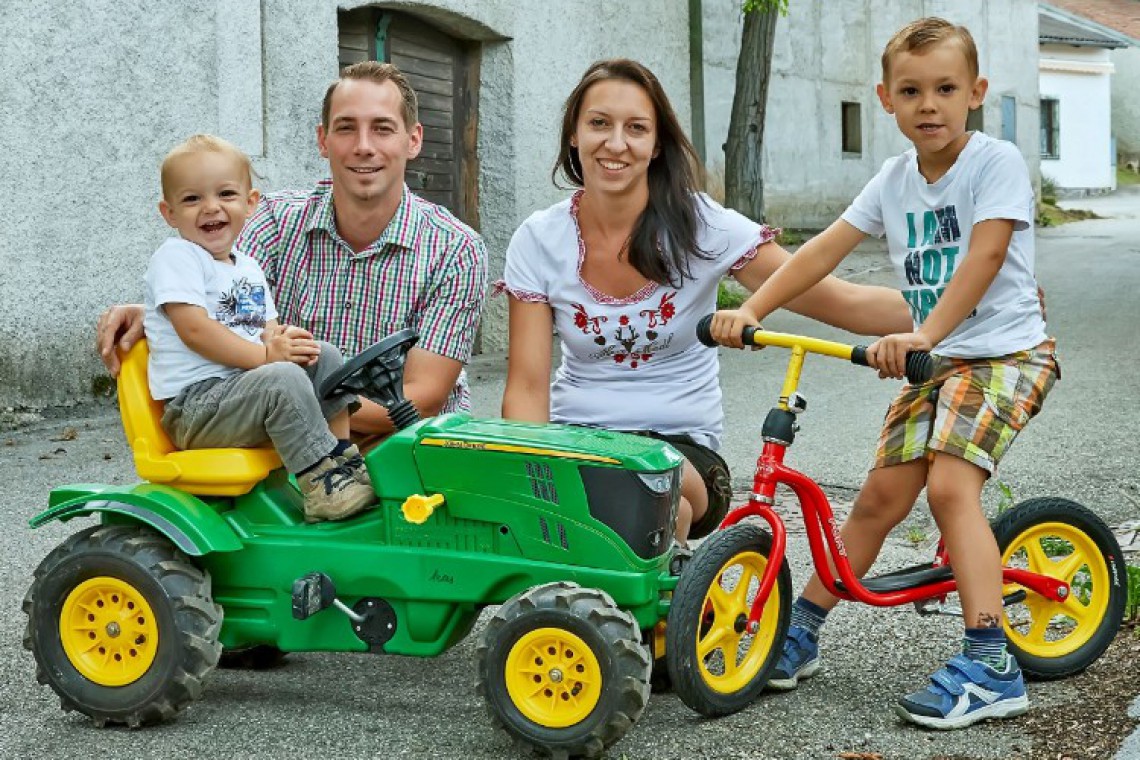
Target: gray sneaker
{"x": 352, "y": 459}
{"x": 332, "y": 493}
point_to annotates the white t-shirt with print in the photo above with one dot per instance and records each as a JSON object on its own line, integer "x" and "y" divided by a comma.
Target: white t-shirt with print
{"x": 234, "y": 294}
{"x": 631, "y": 363}
{"x": 928, "y": 229}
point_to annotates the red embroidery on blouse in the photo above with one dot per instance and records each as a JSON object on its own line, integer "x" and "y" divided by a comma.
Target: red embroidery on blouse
{"x": 596, "y": 294}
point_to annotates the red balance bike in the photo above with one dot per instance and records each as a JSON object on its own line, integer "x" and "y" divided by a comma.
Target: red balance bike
{"x": 1063, "y": 571}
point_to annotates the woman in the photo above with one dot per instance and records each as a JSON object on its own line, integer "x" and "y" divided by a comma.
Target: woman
{"x": 623, "y": 271}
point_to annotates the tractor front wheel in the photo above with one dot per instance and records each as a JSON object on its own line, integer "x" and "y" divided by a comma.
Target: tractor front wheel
{"x": 563, "y": 670}
{"x": 122, "y": 625}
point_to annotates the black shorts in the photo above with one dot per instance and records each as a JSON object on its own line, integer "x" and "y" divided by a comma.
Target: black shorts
{"x": 713, "y": 471}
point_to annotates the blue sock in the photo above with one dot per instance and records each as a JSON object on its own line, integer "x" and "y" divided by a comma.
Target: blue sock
{"x": 987, "y": 645}
{"x": 341, "y": 447}
{"x": 808, "y": 615}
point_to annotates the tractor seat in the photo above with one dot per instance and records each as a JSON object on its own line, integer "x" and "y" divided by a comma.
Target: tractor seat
{"x": 207, "y": 472}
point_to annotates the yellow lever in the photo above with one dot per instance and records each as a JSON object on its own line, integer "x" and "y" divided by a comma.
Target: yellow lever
{"x": 417, "y": 509}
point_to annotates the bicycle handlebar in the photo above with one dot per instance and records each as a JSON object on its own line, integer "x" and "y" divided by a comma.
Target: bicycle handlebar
{"x": 919, "y": 364}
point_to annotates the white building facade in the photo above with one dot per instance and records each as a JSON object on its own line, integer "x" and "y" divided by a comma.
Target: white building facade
{"x": 1078, "y": 152}
{"x": 825, "y": 133}
{"x": 95, "y": 93}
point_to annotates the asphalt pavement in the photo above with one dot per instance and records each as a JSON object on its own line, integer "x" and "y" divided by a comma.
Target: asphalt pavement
{"x": 1082, "y": 446}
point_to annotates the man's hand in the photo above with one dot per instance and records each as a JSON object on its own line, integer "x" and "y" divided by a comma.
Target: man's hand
{"x": 888, "y": 354}
{"x": 118, "y": 325}
{"x": 728, "y": 324}
{"x": 287, "y": 343}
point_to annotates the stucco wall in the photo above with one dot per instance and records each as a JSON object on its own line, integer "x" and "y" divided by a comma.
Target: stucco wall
{"x": 1126, "y": 101}
{"x": 98, "y": 93}
{"x": 827, "y": 53}
{"x": 1085, "y": 163}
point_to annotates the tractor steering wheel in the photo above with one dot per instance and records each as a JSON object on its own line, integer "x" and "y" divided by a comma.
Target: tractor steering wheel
{"x": 377, "y": 373}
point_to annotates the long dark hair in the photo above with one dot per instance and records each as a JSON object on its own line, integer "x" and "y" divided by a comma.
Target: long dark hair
{"x": 664, "y": 239}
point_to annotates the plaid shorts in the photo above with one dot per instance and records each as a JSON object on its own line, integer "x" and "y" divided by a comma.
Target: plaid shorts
{"x": 979, "y": 408}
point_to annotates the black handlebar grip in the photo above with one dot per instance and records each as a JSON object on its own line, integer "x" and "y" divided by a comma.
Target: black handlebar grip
{"x": 919, "y": 364}
{"x": 919, "y": 367}
{"x": 704, "y": 331}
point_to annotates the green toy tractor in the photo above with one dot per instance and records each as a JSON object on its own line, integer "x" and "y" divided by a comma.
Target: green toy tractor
{"x": 568, "y": 529}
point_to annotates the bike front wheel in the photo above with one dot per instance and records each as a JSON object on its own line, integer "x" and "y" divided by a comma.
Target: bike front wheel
{"x": 717, "y": 667}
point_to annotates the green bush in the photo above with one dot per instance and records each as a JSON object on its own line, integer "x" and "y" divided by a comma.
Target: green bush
{"x": 729, "y": 297}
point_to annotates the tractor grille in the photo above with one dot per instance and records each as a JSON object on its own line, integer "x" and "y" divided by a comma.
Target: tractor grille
{"x": 542, "y": 482}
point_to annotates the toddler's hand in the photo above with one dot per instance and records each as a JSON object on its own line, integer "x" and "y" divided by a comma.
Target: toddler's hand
{"x": 888, "y": 354}
{"x": 285, "y": 343}
{"x": 728, "y": 324}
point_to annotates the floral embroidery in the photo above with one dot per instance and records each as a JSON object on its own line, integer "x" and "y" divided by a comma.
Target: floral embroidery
{"x": 584, "y": 322}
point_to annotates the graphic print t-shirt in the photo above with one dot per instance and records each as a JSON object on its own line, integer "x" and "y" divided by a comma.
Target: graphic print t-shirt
{"x": 234, "y": 294}
{"x": 631, "y": 363}
{"x": 928, "y": 229}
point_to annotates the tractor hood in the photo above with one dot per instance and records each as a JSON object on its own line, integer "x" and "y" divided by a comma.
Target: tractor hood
{"x": 590, "y": 445}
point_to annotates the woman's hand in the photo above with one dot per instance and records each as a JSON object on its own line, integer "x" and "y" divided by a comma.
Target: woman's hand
{"x": 121, "y": 325}
{"x": 888, "y": 354}
{"x": 728, "y": 324}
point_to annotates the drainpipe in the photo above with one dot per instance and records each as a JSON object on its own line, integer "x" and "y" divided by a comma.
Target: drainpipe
{"x": 697, "y": 75}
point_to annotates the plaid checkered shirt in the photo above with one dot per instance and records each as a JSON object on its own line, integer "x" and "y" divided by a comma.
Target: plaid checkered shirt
{"x": 427, "y": 270}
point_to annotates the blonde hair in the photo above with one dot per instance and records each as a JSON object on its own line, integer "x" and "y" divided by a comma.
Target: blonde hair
{"x": 379, "y": 73}
{"x": 925, "y": 32}
{"x": 202, "y": 143}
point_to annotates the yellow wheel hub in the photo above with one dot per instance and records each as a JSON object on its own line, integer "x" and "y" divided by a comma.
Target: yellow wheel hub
{"x": 729, "y": 657}
{"x": 108, "y": 631}
{"x": 1045, "y": 628}
{"x": 553, "y": 677}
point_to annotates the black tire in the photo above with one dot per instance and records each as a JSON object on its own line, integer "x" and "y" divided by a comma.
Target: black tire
{"x": 740, "y": 549}
{"x": 1086, "y": 555}
{"x": 132, "y": 568}
{"x": 561, "y": 615}
{"x": 254, "y": 657}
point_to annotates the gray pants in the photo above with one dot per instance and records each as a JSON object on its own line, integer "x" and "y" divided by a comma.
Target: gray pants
{"x": 274, "y": 403}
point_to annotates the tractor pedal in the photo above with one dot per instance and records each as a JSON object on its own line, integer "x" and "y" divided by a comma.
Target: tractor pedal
{"x": 311, "y": 594}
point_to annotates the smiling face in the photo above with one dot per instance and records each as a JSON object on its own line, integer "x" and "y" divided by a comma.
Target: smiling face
{"x": 367, "y": 143}
{"x": 616, "y": 137}
{"x": 207, "y": 197}
{"x": 930, "y": 91}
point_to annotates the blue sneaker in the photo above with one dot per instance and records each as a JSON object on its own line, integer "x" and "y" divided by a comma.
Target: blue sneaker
{"x": 965, "y": 692}
{"x": 800, "y": 659}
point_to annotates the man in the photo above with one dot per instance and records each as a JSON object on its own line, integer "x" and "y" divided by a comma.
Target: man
{"x": 361, "y": 257}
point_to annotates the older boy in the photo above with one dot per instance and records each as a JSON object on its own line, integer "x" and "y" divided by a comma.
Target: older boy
{"x": 229, "y": 374}
{"x": 958, "y": 211}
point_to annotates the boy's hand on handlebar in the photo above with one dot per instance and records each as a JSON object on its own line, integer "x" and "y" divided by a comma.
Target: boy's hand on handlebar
{"x": 286, "y": 343}
{"x": 728, "y": 324}
{"x": 888, "y": 354}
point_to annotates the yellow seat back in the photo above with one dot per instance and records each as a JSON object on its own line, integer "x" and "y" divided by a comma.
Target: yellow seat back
{"x": 214, "y": 472}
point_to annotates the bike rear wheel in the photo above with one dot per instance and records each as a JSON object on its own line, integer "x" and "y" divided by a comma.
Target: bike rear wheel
{"x": 1064, "y": 540}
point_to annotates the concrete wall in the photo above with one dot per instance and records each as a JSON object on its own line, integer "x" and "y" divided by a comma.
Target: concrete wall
{"x": 1080, "y": 78}
{"x": 1126, "y": 101}
{"x": 827, "y": 53}
{"x": 99, "y": 91}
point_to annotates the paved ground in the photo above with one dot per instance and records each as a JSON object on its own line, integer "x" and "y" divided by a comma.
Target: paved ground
{"x": 1083, "y": 446}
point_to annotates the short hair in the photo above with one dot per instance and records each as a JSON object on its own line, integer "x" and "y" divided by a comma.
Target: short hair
{"x": 378, "y": 72}
{"x": 925, "y": 32}
{"x": 203, "y": 143}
